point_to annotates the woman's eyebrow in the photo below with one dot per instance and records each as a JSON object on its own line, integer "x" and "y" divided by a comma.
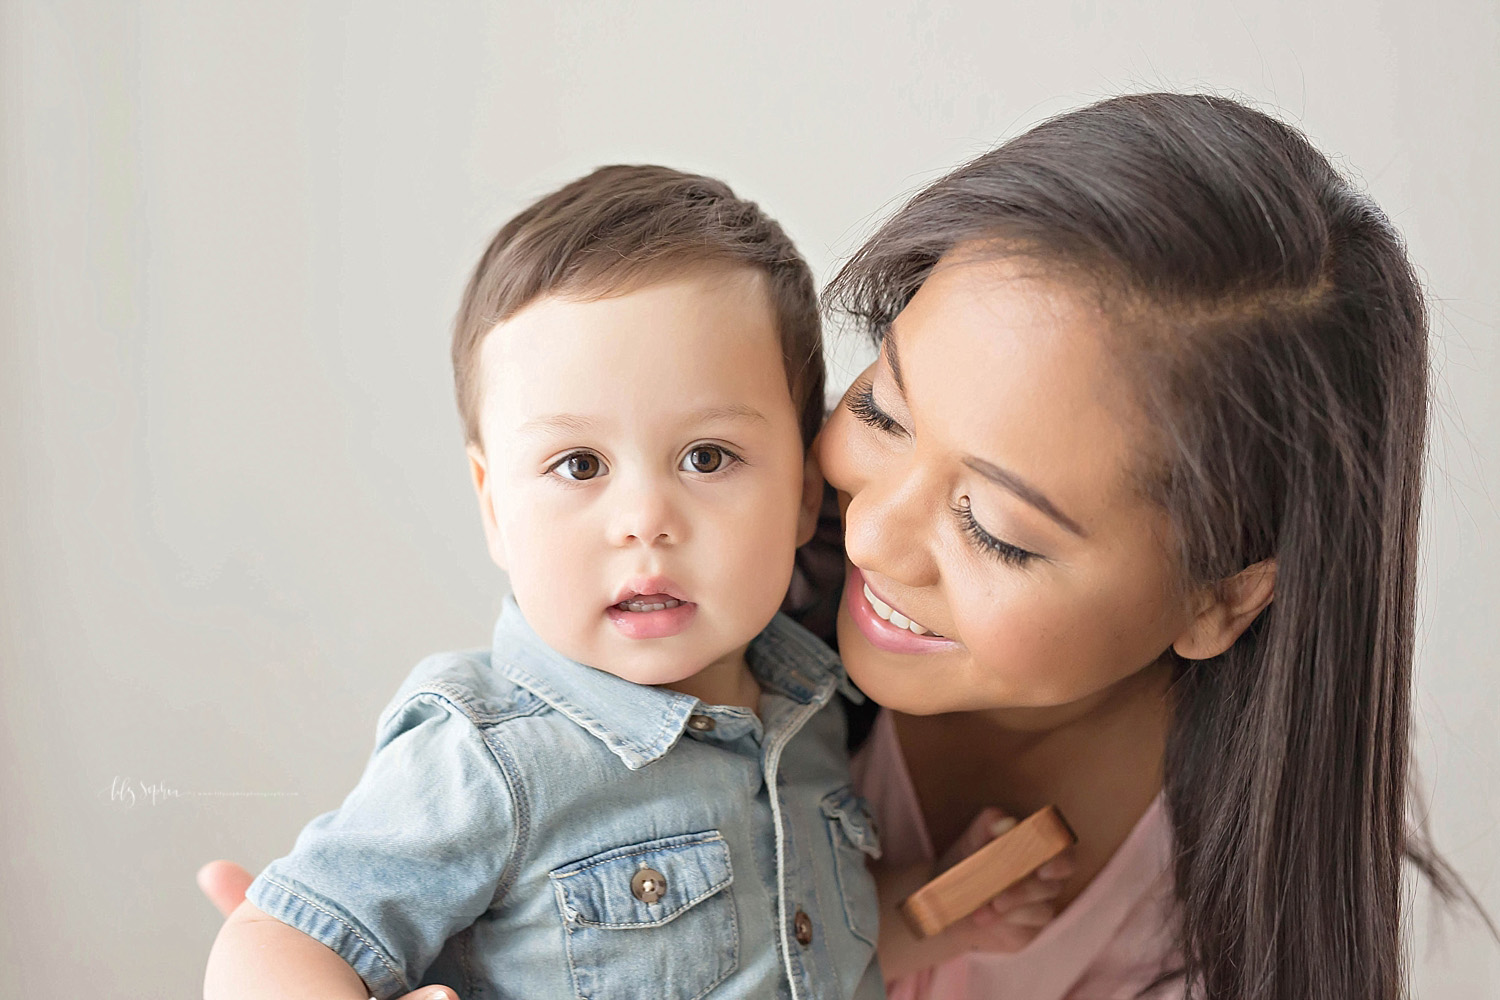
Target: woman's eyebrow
{"x": 894, "y": 361}
{"x": 1002, "y": 478}
{"x": 1007, "y": 480}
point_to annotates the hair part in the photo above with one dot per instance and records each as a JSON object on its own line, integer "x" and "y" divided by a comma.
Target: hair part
{"x": 1273, "y": 338}
{"x": 621, "y": 228}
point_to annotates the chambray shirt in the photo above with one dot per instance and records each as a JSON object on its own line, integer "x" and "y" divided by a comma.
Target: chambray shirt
{"x": 530, "y": 827}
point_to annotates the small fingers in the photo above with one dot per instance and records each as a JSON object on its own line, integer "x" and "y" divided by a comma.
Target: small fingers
{"x": 1029, "y": 890}
{"x": 1000, "y": 935}
{"x": 986, "y": 825}
{"x": 1059, "y": 868}
{"x": 1031, "y": 915}
{"x": 989, "y": 823}
{"x": 1001, "y": 826}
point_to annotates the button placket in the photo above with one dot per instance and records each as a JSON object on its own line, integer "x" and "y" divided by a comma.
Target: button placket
{"x": 805, "y": 962}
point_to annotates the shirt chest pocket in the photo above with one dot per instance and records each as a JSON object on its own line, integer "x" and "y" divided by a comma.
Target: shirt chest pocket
{"x": 851, "y": 828}
{"x": 650, "y": 921}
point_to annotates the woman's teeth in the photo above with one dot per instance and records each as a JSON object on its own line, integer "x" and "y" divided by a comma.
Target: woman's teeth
{"x": 895, "y": 617}
{"x": 643, "y": 606}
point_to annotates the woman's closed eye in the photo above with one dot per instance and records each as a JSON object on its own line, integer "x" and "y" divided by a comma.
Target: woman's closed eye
{"x": 861, "y": 402}
{"x": 1011, "y": 555}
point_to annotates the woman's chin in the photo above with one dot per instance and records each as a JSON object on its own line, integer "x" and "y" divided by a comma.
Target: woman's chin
{"x": 899, "y": 681}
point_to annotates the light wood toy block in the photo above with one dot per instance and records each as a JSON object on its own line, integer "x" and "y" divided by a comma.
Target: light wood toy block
{"x": 987, "y": 872}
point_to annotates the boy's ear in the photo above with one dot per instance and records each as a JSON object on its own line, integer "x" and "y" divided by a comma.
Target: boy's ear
{"x": 1227, "y": 610}
{"x": 812, "y": 498}
{"x": 479, "y": 473}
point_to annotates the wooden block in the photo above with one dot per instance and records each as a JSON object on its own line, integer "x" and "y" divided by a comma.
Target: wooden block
{"x": 987, "y": 872}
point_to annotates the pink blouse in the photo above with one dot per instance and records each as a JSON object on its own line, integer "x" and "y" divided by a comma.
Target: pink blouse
{"x": 1110, "y": 943}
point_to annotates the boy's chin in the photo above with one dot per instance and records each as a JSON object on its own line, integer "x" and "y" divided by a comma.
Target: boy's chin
{"x": 655, "y": 670}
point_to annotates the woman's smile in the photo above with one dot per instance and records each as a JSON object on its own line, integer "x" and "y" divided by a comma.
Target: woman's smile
{"x": 896, "y": 618}
{"x": 882, "y": 624}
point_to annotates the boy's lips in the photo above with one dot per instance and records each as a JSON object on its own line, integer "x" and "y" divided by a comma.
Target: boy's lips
{"x": 650, "y": 608}
{"x": 653, "y": 589}
{"x": 880, "y": 631}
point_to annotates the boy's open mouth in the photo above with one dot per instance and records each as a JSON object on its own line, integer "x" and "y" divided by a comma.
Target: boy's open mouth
{"x": 649, "y": 602}
{"x": 655, "y": 615}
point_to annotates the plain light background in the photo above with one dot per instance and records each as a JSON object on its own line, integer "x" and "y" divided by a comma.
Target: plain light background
{"x": 232, "y": 237}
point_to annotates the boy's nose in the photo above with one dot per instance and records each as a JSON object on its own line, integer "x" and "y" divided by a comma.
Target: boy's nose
{"x": 646, "y": 517}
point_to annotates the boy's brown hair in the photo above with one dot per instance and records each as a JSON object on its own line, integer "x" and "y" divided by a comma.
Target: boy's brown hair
{"x": 622, "y": 227}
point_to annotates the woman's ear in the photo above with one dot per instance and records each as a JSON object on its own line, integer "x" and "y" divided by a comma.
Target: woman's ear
{"x": 1227, "y": 610}
{"x": 479, "y": 473}
{"x": 812, "y": 498}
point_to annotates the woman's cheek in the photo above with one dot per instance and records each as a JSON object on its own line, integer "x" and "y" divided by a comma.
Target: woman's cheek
{"x": 1021, "y": 655}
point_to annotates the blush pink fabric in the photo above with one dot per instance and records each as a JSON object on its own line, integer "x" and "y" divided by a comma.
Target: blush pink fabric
{"x": 1110, "y": 943}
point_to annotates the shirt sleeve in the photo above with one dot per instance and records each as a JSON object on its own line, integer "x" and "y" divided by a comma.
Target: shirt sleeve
{"x": 415, "y": 854}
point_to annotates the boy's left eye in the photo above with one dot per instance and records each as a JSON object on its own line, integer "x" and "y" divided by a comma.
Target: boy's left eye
{"x": 580, "y": 466}
{"x": 706, "y": 458}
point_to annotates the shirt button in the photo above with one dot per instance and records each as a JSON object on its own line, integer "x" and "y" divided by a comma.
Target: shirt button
{"x": 648, "y": 885}
{"x": 802, "y": 924}
{"x": 701, "y": 723}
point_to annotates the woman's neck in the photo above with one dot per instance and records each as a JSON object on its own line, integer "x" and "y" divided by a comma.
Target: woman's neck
{"x": 1098, "y": 760}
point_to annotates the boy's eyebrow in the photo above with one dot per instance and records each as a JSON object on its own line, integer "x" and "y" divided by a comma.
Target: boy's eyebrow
{"x": 557, "y": 422}
{"x": 573, "y": 423}
{"x": 729, "y": 411}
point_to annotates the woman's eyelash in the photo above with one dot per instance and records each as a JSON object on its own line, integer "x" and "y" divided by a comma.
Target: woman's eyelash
{"x": 1004, "y": 551}
{"x": 861, "y": 403}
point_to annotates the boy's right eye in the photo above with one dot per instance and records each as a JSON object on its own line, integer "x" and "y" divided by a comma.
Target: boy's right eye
{"x": 579, "y": 466}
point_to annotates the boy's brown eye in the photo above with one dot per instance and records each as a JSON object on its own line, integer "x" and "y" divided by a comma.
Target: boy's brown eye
{"x": 579, "y": 466}
{"x": 706, "y": 458}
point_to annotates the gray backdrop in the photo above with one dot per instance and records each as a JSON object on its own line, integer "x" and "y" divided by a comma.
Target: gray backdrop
{"x": 232, "y": 237}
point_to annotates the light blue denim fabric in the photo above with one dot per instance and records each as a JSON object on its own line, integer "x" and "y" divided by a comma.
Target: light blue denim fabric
{"x": 514, "y": 794}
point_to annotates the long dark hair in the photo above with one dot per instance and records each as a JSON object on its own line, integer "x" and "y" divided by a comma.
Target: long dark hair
{"x": 1276, "y": 339}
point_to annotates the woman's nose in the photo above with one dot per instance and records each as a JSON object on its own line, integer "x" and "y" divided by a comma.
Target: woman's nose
{"x": 888, "y": 526}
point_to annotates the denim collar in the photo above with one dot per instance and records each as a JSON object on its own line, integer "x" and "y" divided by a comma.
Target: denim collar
{"x": 641, "y": 723}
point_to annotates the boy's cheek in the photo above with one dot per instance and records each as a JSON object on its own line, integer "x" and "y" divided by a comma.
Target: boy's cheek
{"x": 494, "y": 538}
{"x": 497, "y": 554}
{"x": 757, "y": 559}
{"x": 548, "y": 561}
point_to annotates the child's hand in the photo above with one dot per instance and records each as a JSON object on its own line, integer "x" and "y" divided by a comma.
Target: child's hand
{"x": 1007, "y": 923}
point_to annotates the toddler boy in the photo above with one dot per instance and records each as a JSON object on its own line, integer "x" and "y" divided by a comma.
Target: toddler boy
{"x": 641, "y": 789}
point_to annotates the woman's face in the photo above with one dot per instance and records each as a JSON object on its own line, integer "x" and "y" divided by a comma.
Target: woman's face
{"x": 983, "y": 468}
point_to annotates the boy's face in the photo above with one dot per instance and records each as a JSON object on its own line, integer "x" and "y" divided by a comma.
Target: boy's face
{"x": 642, "y": 474}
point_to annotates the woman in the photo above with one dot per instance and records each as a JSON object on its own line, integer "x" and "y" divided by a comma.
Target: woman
{"x": 1130, "y": 505}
